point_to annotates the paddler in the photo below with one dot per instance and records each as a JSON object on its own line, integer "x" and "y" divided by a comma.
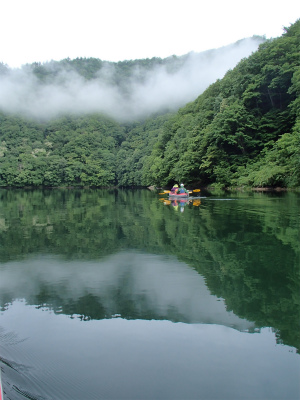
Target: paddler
{"x": 174, "y": 189}
{"x": 182, "y": 189}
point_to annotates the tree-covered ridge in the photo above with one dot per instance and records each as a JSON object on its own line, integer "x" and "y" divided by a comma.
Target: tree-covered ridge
{"x": 118, "y": 73}
{"x": 125, "y": 91}
{"x": 244, "y": 130}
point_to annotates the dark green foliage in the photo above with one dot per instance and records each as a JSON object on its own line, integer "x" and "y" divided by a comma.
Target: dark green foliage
{"x": 133, "y": 153}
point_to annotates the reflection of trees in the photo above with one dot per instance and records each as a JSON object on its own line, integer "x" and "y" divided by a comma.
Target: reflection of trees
{"x": 251, "y": 267}
{"x": 247, "y": 254}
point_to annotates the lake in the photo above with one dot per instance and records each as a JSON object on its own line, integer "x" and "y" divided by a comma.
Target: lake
{"x": 122, "y": 294}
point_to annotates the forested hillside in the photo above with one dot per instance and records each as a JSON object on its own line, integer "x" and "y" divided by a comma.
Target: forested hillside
{"x": 243, "y": 130}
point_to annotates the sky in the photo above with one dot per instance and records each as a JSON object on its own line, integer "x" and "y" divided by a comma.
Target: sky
{"x": 117, "y": 30}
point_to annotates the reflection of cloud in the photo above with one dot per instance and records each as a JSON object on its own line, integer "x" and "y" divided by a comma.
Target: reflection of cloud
{"x": 155, "y": 286}
{"x": 146, "y": 92}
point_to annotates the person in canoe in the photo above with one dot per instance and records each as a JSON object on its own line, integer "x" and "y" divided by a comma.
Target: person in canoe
{"x": 182, "y": 189}
{"x": 174, "y": 189}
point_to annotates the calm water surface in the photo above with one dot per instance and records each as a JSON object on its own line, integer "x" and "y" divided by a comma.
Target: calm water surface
{"x": 119, "y": 294}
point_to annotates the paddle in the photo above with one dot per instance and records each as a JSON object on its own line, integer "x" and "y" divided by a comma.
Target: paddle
{"x": 195, "y": 190}
{"x": 190, "y": 191}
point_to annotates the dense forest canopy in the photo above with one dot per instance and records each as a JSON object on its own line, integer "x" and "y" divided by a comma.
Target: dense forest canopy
{"x": 243, "y": 130}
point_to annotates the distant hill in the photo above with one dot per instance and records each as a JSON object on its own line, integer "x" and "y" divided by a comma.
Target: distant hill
{"x": 126, "y": 90}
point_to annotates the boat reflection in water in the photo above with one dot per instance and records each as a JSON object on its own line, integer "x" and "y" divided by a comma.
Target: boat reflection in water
{"x": 179, "y": 203}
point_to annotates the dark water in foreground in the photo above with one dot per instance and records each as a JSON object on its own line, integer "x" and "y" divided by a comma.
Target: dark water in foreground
{"x": 119, "y": 295}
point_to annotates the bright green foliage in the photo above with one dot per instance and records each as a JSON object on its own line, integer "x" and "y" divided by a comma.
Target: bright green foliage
{"x": 70, "y": 151}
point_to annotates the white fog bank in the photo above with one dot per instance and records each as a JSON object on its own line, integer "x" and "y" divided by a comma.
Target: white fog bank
{"x": 22, "y": 93}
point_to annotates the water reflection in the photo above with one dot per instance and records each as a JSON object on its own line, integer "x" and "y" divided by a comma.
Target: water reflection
{"x": 247, "y": 249}
{"x": 129, "y": 284}
{"x": 64, "y": 358}
{"x": 112, "y": 294}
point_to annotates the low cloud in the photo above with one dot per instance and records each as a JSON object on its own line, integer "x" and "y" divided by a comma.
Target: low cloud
{"x": 145, "y": 280}
{"x": 159, "y": 89}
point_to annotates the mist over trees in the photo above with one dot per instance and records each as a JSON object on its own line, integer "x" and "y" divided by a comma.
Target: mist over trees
{"x": 87, "y": 122}
{"x": 125, "y": 91}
